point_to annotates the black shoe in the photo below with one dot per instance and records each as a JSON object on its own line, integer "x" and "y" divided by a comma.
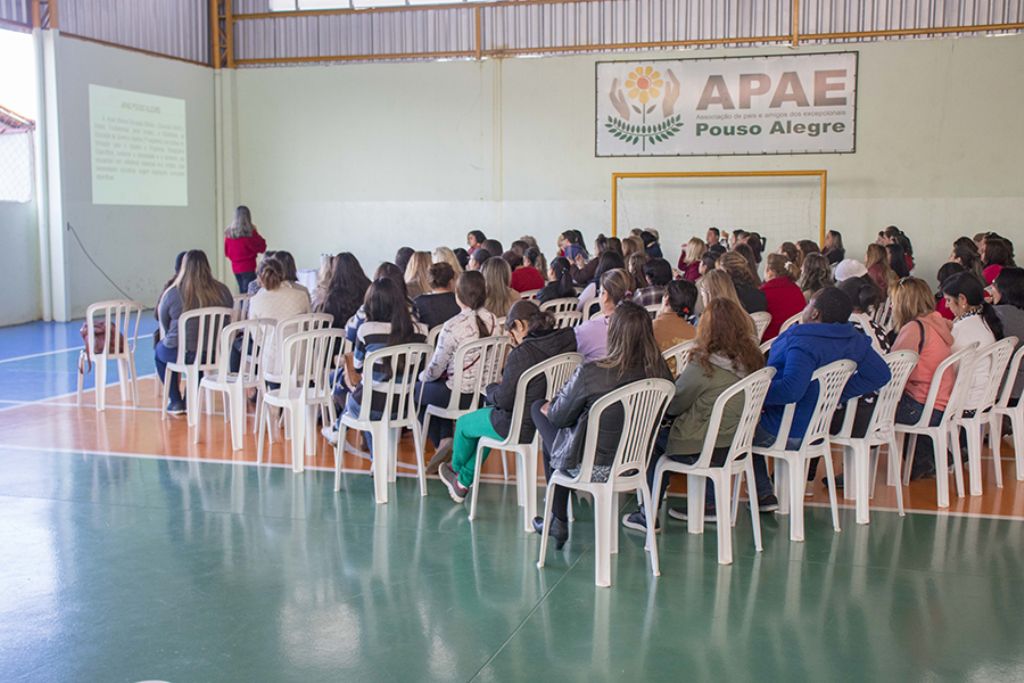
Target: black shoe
{"x": 456, "y": 490}
{"x": 710, "y": 514}
{"x": 176, "y": 408}
{"x": 840, "y": 481}
{"x": 768, "y": 504}
{"x": 637, "y": 521}
{"x": 559, "y": 530}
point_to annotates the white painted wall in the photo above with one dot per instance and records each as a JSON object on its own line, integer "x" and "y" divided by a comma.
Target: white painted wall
{"x": 19, "y": 243}
{"x": 368, "y": 158}
{"x": 135, "y": 245}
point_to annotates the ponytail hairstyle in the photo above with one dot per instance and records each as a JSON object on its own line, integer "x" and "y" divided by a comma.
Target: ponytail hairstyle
{"x": 756, "y": 244}
{"x": 631, "y": 344}
{"x": 562, "y": 270}
{"x": 386, "y": 303}
{"x": 600, "y": 244}
{"x": 974, "y": 292}
{"x": 682, "y": 297}
{"x": 862, "y": 292}
{"x": 618, "y": 285}
{"x": 394, "y": 273}
{"x": 615, "y": 245}
{"x": 471, "y": 291}
{"x": 792, "y": 254}
{"x": 532, "y": 256}
{"x": 782, "y": 267}
{"x": 270, "y": 274}
{"x": 537, "y": 321}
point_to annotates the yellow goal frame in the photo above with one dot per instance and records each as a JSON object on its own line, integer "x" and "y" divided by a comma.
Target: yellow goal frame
{"x": 821, "y": 174}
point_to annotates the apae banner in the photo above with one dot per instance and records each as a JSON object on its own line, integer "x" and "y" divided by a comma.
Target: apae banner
{"x": 788, "y": 104}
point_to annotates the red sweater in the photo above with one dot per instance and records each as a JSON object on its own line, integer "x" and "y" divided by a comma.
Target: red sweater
{"x": 784, "y": 300}
{"x": 242, "y": 251}
{"x": 527, "y": 278}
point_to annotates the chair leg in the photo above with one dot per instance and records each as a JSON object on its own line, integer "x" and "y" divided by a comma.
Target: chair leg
{"x": 381, "y": 449}
{"x": 165, "y": 396}
{"x": 941, "y": 470}
{"x": 394, "y": 436}
{"x": 134, "y": 373}
{"x": 602, "y": 537}
{"x": 297, "y": 419}
{"x": 659, "y": 476}
{"x": 831, "y": 473}
{"x": 262, "y": 427}
{"x": 475, "y": 489}
{"x": 526, "y": 478}
{"x": 652, "y": 539}
{"x": 101, "y": 383}
{"x": 895, "y": 462}
{"x": 723, "y": 503}
{"x": 192, "y": 397}
{"x": 339, "y": 453}
{"x": 995, "y": 438}
{"x": 973, "y": 430}
{"x": 547, "y": 526}
{"x": 958, "y": 468}
{"x": 1017, "y": 427}
{"x": 122, "y": 379}
{"x": 309, "y": 437}
{"x": 81, "y": 378}
{"x": 421, "y": 469}
{"x": 909, "y": 465}
{"x": 199, "y": 423}
{"x": 504, "y": 465}
{"x": 861, "y": 455}
{"x": 613, "y": 527}
{"x": 695, "y": 496}
{"x": 755, "y": 513}
{"x": 235, "y": 408}
{"x": 797, "y": 480}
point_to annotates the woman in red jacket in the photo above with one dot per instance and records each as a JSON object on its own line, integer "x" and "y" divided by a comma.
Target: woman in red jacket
{"x": 242, "y": 244}
{"x": 782, "y": 294}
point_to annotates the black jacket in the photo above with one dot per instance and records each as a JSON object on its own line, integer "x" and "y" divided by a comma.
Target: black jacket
{"x": 435, "y": 309}
{"x": 751, "y": 298}
{"x": 535, "y": 349}
{"x": 571, "y": 409}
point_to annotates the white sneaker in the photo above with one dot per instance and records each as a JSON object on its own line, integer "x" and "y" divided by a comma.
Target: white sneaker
{"x": 331, "y": 434}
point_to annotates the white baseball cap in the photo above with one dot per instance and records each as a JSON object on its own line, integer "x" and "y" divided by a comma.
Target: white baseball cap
{"x": 848, "y": 268}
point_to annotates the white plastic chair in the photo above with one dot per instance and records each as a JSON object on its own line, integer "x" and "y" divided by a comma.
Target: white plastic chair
{"x": 593, "y": 310}
{"x": 307, "y": 322}
{"x": 241, "y": 306}
{"x": 791, "y": 465}
{"x": 762, "y": 319}
{"x": 234, "y": 385}
{"x": 753, "y": 389}
{"x": 1015, "y": 414}
{"x": 995, "y": 357}
{"x": 958, "y": 364}
{"x": 653, "y": 309}
{"x": 794, "y": 320}
{"x": 304, "y": 388}
{"x": 529, "y": 294}
{"x": 560, "y": 305}
{"x": 680, "y": 353}
{"x": 434, "y": 333}
{"x": 883, "y": 315}
{"x": 208, "y": 323}
{"x": 643, "y": 403}
{"x": 880, "y": 432}
{"x": 399, "y": 411}
{"x": 556, "y": 372}
{"x": 568, "y": 319}
{"x": 486, "y": 357}
{"x": 121, "y": 319}
{"x": 766, "y": 347}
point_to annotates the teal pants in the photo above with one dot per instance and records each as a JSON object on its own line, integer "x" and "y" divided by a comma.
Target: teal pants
{"x": 468, "y": 430}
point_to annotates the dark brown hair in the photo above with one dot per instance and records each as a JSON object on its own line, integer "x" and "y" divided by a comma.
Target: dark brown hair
{"x": 716, "y": 335}
{"x": 631, "y": 344}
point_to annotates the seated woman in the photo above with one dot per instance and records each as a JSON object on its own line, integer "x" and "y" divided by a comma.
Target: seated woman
{"x": 632, "y": 355}
{"x": 388, "y": 323}
{"x": 500, "y": 296}
{"x": 720, "y": 358}
{"x": 609, "y": 260}
{"x": 195, "y": 287}
{"x": 436, "y": 381}
{"x": 881, "y": 273}
{"x": 834, "y": 250}
{"x": 946, "y": 271}
{"x": 417, "y": 274}
{"x": 745, "y": 280}
{"x": 783, "y": 297}
{"x": 345, "y": 290}
{"x": 866, "y": 299}
{"x": 560, "y": 284}
{"x": 437, "y": 306}
{"x": 534, "y": 340}
{"x": 277, "y": 300}
{"x": 815, "y": 275}
{"x": 674, "y": 322}
{"x": 689, "y": 259}
{"x": 446, "y": 255}
{"x": 657, "y": 274}
{"x": 528, "y": 276}
{"x": 926, "y": 333}
{"x": 998, "y": 255}
{"x": 592, "y": 335}
{"x": 975, "y": 321}
{"x": 1008, "y": 299}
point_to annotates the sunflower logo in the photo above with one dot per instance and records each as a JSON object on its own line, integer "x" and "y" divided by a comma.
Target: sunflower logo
{"x": 644, "y": 84}
{"x": 639, "y": 94}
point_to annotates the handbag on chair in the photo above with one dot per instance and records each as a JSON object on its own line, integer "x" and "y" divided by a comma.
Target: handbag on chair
{"x": 109, "y": 341}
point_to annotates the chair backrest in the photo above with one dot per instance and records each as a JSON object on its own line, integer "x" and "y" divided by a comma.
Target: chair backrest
{"x": 593, "y": 310}
{"x": 1012, "y": 373}
{"x": 643, "y": 404}
{"x": 767, "y": 346}
{"x": 995, "y": 357}
{"x": 250, "y": 335}
{"x": 754, "y": 388}
{"x": 482, "y": 360}
{"x": 241, "y": 306}
{"x": 959, "y": 364}
{"x": 434, "y": 333}
{"x": 679, "y": 354}
{"x": 761, "y": 321}
{"x": 404, "y": 362}
{"x": 208, "y": 323}
{"x": 564, "y": 319}
{"x": 121, "y": 315}
{"x": 883, "y": 315}
{"x": 653, "y": 309}
{"x": 529, "y": 294}
{"x": 306, "y": 362}
{"x": 901, "y": 364}
{"x": 560, "y": 305}
{"x": 556, "y": 371}
{"x": 831, "y": 380}
{"x": 306, "y": 322}
{"x": 795, "y": 320}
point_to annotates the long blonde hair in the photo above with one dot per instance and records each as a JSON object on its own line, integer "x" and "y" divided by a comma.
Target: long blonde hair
{"x": 417, "y": 272}
{"x": 242, "y": 225}
{"x": 695, "y": 250}
{"x": 497, "y": 275}
{"x": 446, "y": 255}
{"x": 911, "y": 299}
{"x": 716, "y": 284}
{"x": 196, "y": 284}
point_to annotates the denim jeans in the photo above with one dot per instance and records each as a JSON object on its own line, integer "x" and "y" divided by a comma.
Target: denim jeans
{"x": 909, "y": 411}
{"x": 164, "y": 355}
{"x": 718, "y": 457}
{"x": 548, "y": 432}
{"x": 437, "y": 393}
{"x": 763, "y": 438}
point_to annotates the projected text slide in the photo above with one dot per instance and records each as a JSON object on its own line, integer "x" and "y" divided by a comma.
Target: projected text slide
{"x": 139, "y": 149}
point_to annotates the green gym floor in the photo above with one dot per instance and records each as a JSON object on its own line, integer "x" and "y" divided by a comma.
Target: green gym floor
{"x": 128, "y": 569}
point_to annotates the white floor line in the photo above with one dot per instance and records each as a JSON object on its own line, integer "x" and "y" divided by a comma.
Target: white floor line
{"x": 85, "y": 392}
{"x": 55, "y": 352}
